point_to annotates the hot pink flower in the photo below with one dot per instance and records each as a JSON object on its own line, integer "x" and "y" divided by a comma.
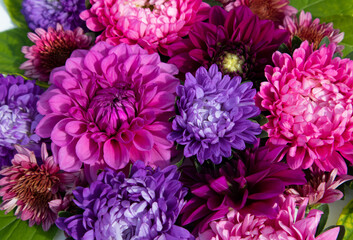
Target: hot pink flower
{"x": 51, "y": 49}
{"x": 36, "y": 190}
{"x": 309, "y": 97}
{"x": 109, "y": 105}
{"x": 311, "y": 30}
{"x": 153, "y": 24}
{"x": 287, "y": 225}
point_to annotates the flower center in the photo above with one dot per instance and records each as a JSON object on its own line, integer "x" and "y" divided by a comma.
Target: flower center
{"x": 113, "y": 106}
{"x": 233, "y": 63}
{"x": 148, "y": 4}
{"x": 267, "y": 9}
{"x": 311, "y": 34}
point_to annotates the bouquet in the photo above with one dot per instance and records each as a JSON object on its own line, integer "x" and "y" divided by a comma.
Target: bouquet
{"x": 176, "y": 119}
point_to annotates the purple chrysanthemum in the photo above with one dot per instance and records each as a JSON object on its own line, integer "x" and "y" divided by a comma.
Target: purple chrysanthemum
{"x": 143, "y": 205}
{"x": 47, "y": 13}
{"x": 251, "y": 182}
{"x": 18, "y": 115}
{"x": 214, "y": 112}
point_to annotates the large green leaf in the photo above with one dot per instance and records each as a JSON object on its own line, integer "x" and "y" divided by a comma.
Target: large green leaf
{"x": 12, "y": 228}
{"x": 14, "y": 10}
{"x": 11, "y": 57}
{"x": 340, "y": 12}
{"x": 346, "y": 219}
{"x": 213, "y": 2}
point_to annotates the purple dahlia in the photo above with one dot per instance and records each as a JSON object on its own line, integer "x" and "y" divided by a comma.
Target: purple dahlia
{"x": 237, "y": 41}
{"x": 18, "y": 115}
{"x": 47, "y": 13}
{"x": 251, "y": 182}
{"x": 143, "y": 204}
{"x": 214, "y": 115}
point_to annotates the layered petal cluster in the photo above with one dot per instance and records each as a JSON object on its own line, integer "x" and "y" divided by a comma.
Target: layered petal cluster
{"x": 311, "y": 30}
{"x": 18, "y": 115}
{"x": 47, "y": 13}
{"x": 36, "y": 191}
{"x": 309, "y": 97}
{"x": 320, "y": 188}
{"x": 109, "y": 105}
{"x": 141, "y": 205}
{"x": 287, "y": 225}
{"x": 214, "y": 115}
{"x": 274, "y": 10}
{"x": 51, "y": 49}
{"x": 237, "y": 41}
{"x": 153, "y": 24}
{"x": 250, "y": 182}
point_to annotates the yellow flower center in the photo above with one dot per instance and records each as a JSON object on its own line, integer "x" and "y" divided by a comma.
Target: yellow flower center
{"x": 233, "y": 63}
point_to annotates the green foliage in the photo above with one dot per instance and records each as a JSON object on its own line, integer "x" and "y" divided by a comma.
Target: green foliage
{"x": 12, "y": 228}
{"x": 346, "y": 219}
{"x": 340, "y": 12}
{"x": 11, "y": 57}
{"x": 324, "y": 208}
{"x": 14, "y": 9}
{"x": 213, "y": 2}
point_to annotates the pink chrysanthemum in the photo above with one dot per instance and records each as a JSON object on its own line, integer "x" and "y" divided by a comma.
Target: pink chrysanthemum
{"x": 36, "y": 190}
{"x": 51, "y": 49}
{"x": 274, "y": 10}
{"x": 311, "y": 30}
{"x": 309, "y": 97}
{"x": 153, "y": 24}
{"x": 109, "y": 105}
{"x": 287, "y": 225}
{"x": 320, "y": 188}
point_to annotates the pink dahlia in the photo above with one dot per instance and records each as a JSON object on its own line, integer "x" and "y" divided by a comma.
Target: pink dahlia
{"x": 51, "y": 49}
{"x": 309, "y": 97}
{"x": 287, "y": 225}
{"x": 311, "y": 30}
{"x": 320, "y": 188}
{"x": 109, "y": 105}
{"x": 153, "y": 24}
{"x": 237, "y": 41}
{"x": 274, "y": 10}
{"x": 36, "y": 190}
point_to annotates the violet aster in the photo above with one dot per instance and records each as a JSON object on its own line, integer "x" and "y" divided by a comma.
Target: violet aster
{"x": 143, "y": 204}
{"x": 250, "y": 182}
{"x": 214, "y": 115}
{"x": 47, "y": 13}
{"x": 18, "y": 115}
{"x": 237, "y": 41}
{"x": 38, "y": 192}
{"x": 109, "y": 105}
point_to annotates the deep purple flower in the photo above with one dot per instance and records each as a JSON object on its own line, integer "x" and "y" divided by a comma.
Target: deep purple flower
{"x": 142, "y": 205}
{"x": 214, "y": 112}
{"x": 47, "y": 13}
{"x": 18, "y": 116}
{"x": 250, "y": 182}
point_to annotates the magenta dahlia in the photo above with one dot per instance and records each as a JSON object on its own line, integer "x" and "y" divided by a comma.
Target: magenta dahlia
{"x": 250, "y": 182}
{"x": 237, "y": 41}
{"x": 309, "y": 97}
{"x": 35, "y": 190}
{"x": 311, "y": 30}
{"x": 153, "y": 24}
{"x": 51, "y": 49}
{"x": 109, "y": 105}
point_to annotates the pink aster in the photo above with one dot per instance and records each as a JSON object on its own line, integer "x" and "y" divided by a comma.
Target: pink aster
{"x": 287, "y": 225}
{"x": 36, "y": 190}
{"x": 311, "y": 30}
{"x": 309, "y": 97}
{"x": 109, "y": 105}
{"x": 153, "y": 24}
{"x": 274, "y": 10}
{"x": 51, "y": 49}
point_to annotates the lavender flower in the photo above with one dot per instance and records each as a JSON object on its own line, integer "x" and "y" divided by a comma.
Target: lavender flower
{"x": 214, "y": 115}
{"x": 18, "y": 116}
{"x": 47, "y": 13}
{"x": 143, "y": 205}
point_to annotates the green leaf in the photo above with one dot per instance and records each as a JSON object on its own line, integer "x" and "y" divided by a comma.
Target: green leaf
{"x": 324, "y": 208}
{"x": 14, "y": 9}
{"x": 340, "y": 12}
{"x": 349, "y": 55}
{"x": 346, "y": 219}
{"x": 341, "y": 234}
{"x": 296, "y": 41}
{"x": 325, "y": 41}
{"x": 12, "y": 228}
{"x": 213, "y": 3}
{"x": 263, "y": 134}
{"x": 11, "y": 57}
